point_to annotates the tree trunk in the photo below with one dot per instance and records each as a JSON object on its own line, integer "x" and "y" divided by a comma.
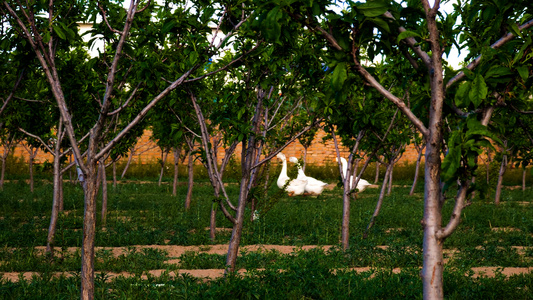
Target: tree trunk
{"x": 235, "y": 240}
{"x": 190, "y": 183}
{"x": 104, "y": 192}
{"x": 7, "y": 148}
{"x": 391, "y": 172}
{"x": 55, "y": 205}
{"x": 487, "y": 166}
{"x": 132, "y": 152}
{"x": 114, "y": 174}
{"x": 32, "y": 155}
{"x": 2, "y": 174}
{"x": 345, "y": 228}
{"x": 377, "y": 172}
{"x": 164, "y": 155}
{"x": 503, "y": 168}
{"x": 524, "y": 180}
{"x": 176, "y": 162}
{"x": 70, "y": 176}
{"x": 386, "y": 182}
{"x": 213, "y": 214}
{"x": 61, "y": 199}
{"x": 433, "y": 263}
{"x": 89, "y": 226}
{"x": 213, "y": 221}
{"x": 417, "y": 170}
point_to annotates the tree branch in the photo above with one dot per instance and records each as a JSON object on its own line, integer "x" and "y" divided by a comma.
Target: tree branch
{"x": 271, "y": 155}
{"x": 455, "y": 218}
{"x": 224, "y": 67}
{"x": 411, "y": 42}
{"x": 116, "y": 111}
{"x": 506, "y": 38}
{"x": 397, "y": 101}
{"x": 105, "y": 19}
{"x": 37, "y": 138}
{"x": 227, "y": 214}
{"x": 12, "y": 92}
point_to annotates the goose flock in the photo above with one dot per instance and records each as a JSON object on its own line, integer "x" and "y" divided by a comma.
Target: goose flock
{"x": 305, "y": 185}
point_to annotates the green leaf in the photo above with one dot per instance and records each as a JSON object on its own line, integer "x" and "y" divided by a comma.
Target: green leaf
{"x": 168, "y": 26}
{"x": 407, "y": 34}
{"x": 523, "y": 71}
{"x": 498, "y": 71}
{"x": 373, "y": 8}
{"x": 339, "y": 76}
{"x": 513, "y": 27}
{"x": 381, "y": 23}
{"x": 59, "y": 31}
{"x": 451, "y": 163}
{"x": 193, "y": 58}
{"x": 272, "y": 26}
{"x": 461, "y": 96}
{"x": 479, "y": 91}
{"x": 207, "y": 14}
{"x": 46, "y": 37}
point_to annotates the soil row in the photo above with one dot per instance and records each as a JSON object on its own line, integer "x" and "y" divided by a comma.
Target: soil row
{"x": 209, "y": 274}
{"x": 176, "y": 251}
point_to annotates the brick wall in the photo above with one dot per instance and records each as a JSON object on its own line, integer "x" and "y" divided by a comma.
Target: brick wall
{"x": 318, "y": 153}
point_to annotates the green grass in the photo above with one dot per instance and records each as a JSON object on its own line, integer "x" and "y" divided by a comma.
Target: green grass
{"x": 308, "y": 281}
{"x": 146, "y": 214}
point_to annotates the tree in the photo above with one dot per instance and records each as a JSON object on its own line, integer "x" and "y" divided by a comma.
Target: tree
{"x": 263, "y": 94}
{"x": 422, "y": 34}
{"x": 144, "y": 26}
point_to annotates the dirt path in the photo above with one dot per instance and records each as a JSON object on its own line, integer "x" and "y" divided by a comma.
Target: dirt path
{"x": 209, "y": 274}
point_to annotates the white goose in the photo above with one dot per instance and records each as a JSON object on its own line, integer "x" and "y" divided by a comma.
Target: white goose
{"x": 361, "y": 185}
{"x": 314, "y": 186}
{"x": 295, "y": 186}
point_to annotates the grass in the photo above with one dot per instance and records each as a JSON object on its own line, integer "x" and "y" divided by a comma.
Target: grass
{"x": 146, "y": 214}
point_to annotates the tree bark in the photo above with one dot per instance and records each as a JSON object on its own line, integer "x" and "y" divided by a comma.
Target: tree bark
{"x": 32, "y": 153}
{"x": 235, "y": 240}
{"x": 386, "y": 182}
{"x": 247, "y": 158}
{"x": 503, "y": 168}
{"x": 164, "y": 155}
{"x": 132, "y": 152}
{"x": 176, "y": 162}
{"x": 61, "y": 198}
{"x": 114, "y": 174}
{"x": 417, "y": 171}
{"x": 391, "y": 172}
{"x": 524, "y": 180}
{"x": 487, "y": 167}
{"x": 7, "y": 148}
{"x": 433, "y": 263}
{"x": 347, "y": 188}
{"x": 104, "y": 191}
{"x": 213, "y": 221}
{"x": 345, "y": 226}
{"x": 89, "y": 231}
{"x": 55, "y": 204}
{"x": 190, "y": 182}
{"x": 377, "y": 172}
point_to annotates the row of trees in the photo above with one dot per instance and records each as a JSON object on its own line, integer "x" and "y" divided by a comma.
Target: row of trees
{"x": 278, "y": 71}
